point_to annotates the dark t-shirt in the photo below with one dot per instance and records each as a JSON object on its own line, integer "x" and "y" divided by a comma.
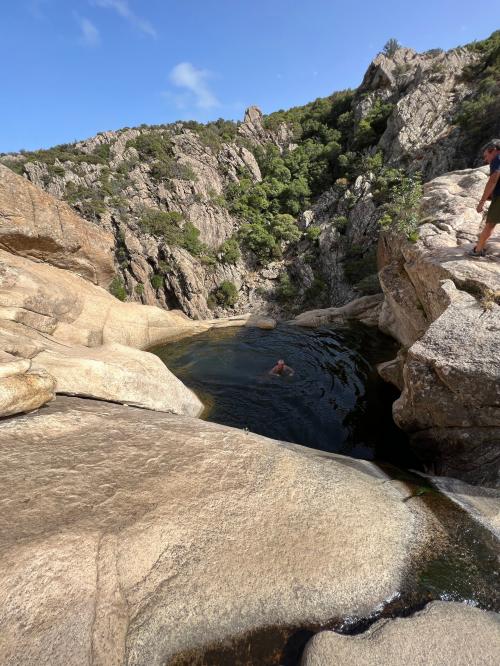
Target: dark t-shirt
{"x": 494, "y": 167}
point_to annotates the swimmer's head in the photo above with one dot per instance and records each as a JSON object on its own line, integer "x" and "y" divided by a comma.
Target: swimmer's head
{"x": 281, "y": 362}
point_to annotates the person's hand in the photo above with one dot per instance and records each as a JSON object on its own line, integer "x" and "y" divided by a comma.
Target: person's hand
{"x": 480, "y": 207}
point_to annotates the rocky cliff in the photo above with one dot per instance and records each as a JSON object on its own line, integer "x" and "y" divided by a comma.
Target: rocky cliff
{"x": 171, "y": 196}
{"x": 60, "y": 331}
{"x": 443, "y": 306}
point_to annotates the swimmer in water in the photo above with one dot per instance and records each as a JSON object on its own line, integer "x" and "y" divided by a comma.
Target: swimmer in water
{"x": 281, "y": 369}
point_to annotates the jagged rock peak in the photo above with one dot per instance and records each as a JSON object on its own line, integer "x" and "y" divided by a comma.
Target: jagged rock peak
{"x": 253, "y": 115}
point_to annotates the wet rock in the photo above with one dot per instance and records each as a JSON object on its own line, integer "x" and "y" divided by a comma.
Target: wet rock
{"x": 444, "y": 633}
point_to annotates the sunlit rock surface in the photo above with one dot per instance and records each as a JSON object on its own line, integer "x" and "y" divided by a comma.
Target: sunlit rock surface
{"x": 131, "y": 535}
{"x": 443, "y": 305}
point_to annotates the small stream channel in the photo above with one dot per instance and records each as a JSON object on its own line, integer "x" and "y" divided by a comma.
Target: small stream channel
{"x": 335, "y": 402}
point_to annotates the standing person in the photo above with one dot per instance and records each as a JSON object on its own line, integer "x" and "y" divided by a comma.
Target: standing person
{"x": 491, "y": 156}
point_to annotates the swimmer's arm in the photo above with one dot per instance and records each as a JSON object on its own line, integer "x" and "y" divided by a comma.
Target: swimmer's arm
{"x": 290, "y": 371}
{"x": 273, "y": 371}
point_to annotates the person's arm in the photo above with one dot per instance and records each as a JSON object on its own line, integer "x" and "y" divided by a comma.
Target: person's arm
{"x": 290, "y": 371}
{"x": 488, "y": 190}
{"x": 273, "y": 371}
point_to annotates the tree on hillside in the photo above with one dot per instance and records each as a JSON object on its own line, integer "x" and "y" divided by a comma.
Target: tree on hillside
{"x": 390, "y": 47}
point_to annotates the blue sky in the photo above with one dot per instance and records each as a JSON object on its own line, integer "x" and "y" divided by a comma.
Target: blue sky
{"x": 72, "y": 68}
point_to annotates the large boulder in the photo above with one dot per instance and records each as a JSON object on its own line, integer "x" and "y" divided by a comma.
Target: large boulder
{"x": 444, "y": 633}
{"x": 443, "y": 305}
{"x": 91, "y": 343}
{"x": 132, "y": 536}
{"x": 36, "y": 225}
{"x": 23, "y": 389}
{"x": 365, "y": 309}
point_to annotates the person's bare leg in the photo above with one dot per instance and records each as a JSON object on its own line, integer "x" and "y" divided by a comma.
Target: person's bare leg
{"x": 485, "y": 234}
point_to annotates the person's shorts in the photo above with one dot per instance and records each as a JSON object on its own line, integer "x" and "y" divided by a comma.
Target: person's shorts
{"x": 493, "y": 216}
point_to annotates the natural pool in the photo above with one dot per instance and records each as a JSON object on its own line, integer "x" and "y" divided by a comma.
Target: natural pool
{"x": 334, "y": 402}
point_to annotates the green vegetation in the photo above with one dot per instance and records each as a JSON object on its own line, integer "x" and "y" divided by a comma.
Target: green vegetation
{"x": 155, "y": 148}
{"x": 117, "y": 288}
{"x": 152, "y": 145}
{"x": 167, "y": 225}
{"x": 390, "y": 47}
{"x": 479, "y": 115}
{"x": 65, "y": 152}
{"x": 402, "y": 212}
{"x": 14, "y": 165}
{"x": 157, "y": 280}
{"x": 88, "y": 201}
{"x": 286, "y": 290}
{"x": 161, "y": 223}
{"x": 214, "y": 134}
{"x": 225, "y": 295}
{"x": 313, "y": 233}
{"x": 372, "y": 126}
{"x": 328, "y": 152}
{"x": 229, "y": 251}
{"x": 139, "y": 289}
{"x": 190, "y": 240}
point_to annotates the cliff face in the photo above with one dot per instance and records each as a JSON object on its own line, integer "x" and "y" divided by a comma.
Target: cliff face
{"x": 443, "y": 306}
{"x": 404, "y": 110}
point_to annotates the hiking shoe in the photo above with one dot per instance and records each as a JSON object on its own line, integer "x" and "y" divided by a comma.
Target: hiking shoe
{"x": 473, "y": 253}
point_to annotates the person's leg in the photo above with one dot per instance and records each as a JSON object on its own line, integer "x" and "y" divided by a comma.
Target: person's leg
{"x": 492, "y": 218}
{"x": 485, "y": 234}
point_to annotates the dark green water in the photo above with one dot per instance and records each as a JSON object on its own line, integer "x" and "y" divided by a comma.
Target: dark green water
{"x": 334, "y": 402}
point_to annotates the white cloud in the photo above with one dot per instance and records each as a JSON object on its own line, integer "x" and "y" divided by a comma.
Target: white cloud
{"x": 185, "y": 75}
{"x": 90, "y": 34}
{"x": 122, "y": 8}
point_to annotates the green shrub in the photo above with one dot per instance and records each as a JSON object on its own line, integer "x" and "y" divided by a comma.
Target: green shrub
{"x": 165, "y": 266}
{"x": 286, "y": 290}
{"x": 157, "y": 281}
{"x": 163, "y": 224}
{"x": 14, "y": 165}
{"x": 230, "y": 251}
{"x": 372, "y": 126}
{"x": 257, "y": 238}
{"x": 117, "y": 288}
{"x": 166, "y": 225}
{"x": 402, "y": 212}
{"x": 225, "y": 295}
{"x": 217, "y": 199}
{"x": 190, "y": 240}
{"x": 478, "y": 115}
{"x": 284, "y": 228}
{"x": 152, "y": 145}
{"x": 390, "y": 47}
{"x": 313, "y": 233}
{"x": 340, "y": 223}
{"x": 139, "y": 288}
{"x": 103, "y": 151}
